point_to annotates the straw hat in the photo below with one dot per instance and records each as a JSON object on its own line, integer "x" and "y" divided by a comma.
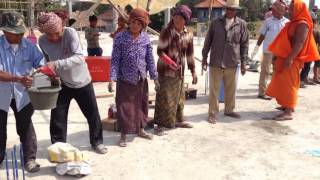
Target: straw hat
{"x": 232, "y": 4}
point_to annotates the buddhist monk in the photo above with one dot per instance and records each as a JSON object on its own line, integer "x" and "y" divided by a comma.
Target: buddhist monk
{"x": 292, "y": 47}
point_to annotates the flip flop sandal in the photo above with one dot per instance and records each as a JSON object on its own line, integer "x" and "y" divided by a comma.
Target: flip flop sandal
{"x": 122, "y": 143}
{"x": 282, "y": 109}
{"x": 282, "y": 118}
{"x": 212, "y": 119}
{"x": 31, "y": 166}
{"x": 316, "y": 81}
{"x": 233, "y": 115}
{"x": 160, "y": 131}
{"x": 100, "y": 149}
{"x": 145, "y": 135}
{"x": 183, "y": 125}
{"x": 265, "y": 97}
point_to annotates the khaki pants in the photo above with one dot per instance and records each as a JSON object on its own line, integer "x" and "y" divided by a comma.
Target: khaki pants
{"x": 216, "y": 75}
{"x": 265, "y": 73}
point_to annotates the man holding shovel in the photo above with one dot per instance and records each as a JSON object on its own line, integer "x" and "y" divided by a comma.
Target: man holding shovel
{"x": 18, "y": 57}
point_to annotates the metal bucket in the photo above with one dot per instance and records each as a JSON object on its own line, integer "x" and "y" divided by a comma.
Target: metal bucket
{"x": 44, "y": 98}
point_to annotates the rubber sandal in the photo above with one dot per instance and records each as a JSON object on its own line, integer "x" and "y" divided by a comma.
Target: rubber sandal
{"x": 282, "y": 118}
{"x": 122, "y": 143}
{"x": 31, "y": 166}
{"x": 183, "y": 125}
{"x": 233, "y": 115}
{"x": 212, "y": 119}
{"x": 160, "y": 131}
{"x": 145, "y": 135}
{"x": 264, "y": 97}
{"x": 100, "y": 149}
{"x": 282, "y": 109}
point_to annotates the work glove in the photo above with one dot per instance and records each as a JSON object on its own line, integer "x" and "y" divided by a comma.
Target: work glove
{"x": 254, "y": 52}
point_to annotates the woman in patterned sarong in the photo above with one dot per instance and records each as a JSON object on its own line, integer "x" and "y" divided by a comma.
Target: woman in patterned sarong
{"x": 176, "y": 42}
{"x": 131, "y": 60}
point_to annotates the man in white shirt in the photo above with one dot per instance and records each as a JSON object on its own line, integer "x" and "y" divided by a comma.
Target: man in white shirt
{"x": 269, "y": 30}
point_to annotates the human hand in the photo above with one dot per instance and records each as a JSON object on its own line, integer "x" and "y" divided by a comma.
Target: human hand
{"x": 194, "y": 78}
{"x": 156, "y": 85}
{"x": 287, "y": 62}
{"x": 204, "y": 65}
{"x": 26, "y": 81}
{"x": 50, "y": 65}
{"x": 55, "y": 80}
{"x": 243, "y": 69}
{"x": 110, "y": 87}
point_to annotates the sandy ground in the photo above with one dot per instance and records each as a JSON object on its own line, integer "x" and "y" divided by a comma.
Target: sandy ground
{"x": 248, "y": 148}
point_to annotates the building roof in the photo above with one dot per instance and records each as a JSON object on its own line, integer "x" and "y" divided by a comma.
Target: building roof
{"x": 214, "y": 4}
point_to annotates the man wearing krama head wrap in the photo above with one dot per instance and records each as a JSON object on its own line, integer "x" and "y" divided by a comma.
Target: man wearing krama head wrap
{"x": 268, "y": 32}
{"x": 293, "y": 46}
{"x": 61, "y": 46}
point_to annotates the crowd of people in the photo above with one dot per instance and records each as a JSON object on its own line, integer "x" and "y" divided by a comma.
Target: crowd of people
{"x": 288, "y": 44}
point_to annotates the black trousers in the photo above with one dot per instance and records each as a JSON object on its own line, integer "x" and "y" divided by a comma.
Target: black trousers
{"x": 86, "y": 100}
{"x": 305, "y": 71}
{"x": 95, "y": 51}
{"x": 24, "y": 128}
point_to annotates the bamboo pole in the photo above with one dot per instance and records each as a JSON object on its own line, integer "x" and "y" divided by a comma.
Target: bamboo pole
{"x": 125, "y": 16}
{"x": 210, "y": 10}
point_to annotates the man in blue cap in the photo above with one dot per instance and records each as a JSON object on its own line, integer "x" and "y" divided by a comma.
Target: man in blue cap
{"x": 18, "y": 56}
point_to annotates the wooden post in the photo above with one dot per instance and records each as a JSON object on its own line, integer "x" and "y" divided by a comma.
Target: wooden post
{"x": 210, "y": 11}
{"x": 70, "y": 8}
{"x": 31, "y": 13}
{"x": 148, "y": 5}
{"x": 167, "y": 16}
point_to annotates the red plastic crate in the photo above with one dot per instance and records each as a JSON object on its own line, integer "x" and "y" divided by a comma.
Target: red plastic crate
{"x": 99, "y": 68}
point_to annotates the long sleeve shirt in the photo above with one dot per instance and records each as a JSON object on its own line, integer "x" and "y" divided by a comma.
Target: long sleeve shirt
{"x": 68, "y": 58}
{"x": 132, "y": 59}
{"x": 229, "y": 46}
{"x": 20, "y": 63}
{"x": 179, "y": 47}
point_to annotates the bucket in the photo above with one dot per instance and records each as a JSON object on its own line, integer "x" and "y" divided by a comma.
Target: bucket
{"x": 44, "y": 92}
{"x": 44, "y": 98}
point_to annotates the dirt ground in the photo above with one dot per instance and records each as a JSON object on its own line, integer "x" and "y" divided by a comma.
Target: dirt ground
{"x": 246, "y": 148}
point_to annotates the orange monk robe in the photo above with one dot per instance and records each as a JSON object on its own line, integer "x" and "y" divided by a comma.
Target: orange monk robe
{"x": 285, "y": 82}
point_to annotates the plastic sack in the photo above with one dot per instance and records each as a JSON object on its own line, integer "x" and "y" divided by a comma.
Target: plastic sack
{"x": 74, "y": 168}
{"x": 64, "y": 152}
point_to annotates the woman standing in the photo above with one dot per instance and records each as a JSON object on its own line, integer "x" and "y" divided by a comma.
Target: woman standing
{"x": 176, "y": 41}
{"x": 131, "y": 59}
{"x": 61, "y": 46}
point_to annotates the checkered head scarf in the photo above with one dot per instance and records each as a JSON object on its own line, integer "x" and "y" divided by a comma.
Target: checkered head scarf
{"x": 140, "y": 15}
{"x": 49, "y": 23}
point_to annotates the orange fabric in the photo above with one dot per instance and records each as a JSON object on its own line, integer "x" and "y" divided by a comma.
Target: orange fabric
{"x": 281, "y": 46}
{"x": 285, "y": 83}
